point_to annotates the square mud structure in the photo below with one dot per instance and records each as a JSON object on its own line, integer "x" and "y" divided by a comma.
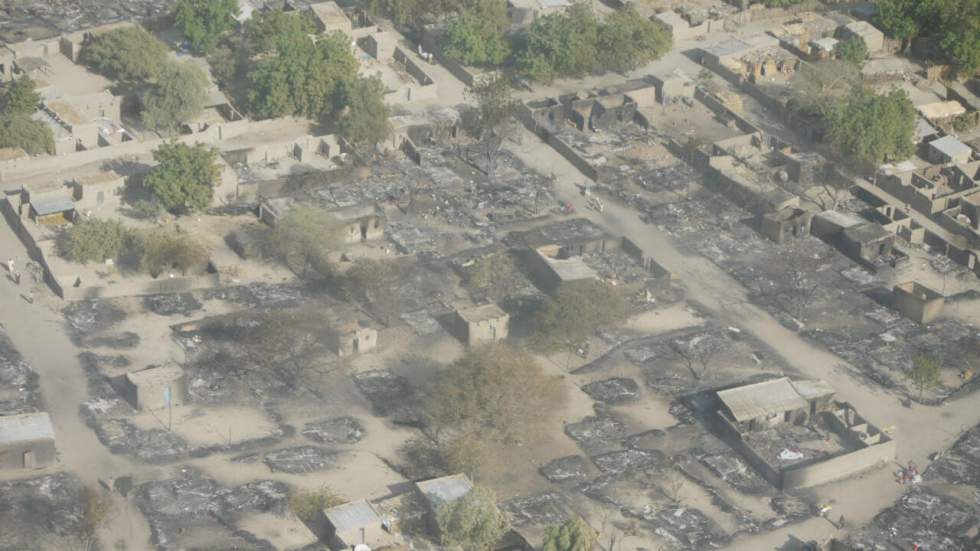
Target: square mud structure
{"x": 26, "y": 441}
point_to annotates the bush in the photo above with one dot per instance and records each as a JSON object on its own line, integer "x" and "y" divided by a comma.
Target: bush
{"x": 94, "y": 240}
{"x": 18, "y": 97}
{"x": 472, "y": 522}
{"x": 364, "y": 119}
{"x": 306, "y": 504}
{"x": 852, "y": 50}
{"x": 129, "y": 54}
{"x": 167, "y": 249}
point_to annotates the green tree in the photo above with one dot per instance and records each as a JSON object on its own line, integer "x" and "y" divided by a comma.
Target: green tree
{"x": 205, "y": 22}
{"x": 130, "y": 54}
{"x": 852, "y": 50}
{"x": 18, "y": 97}
{"x": 474, "y": 39}
{"x": 184, "y": 178}
{"x": 22, "y": 131}
{"x": 414, "y": 12}
{"x": 167, "y": 249}
{"x": 925, "y": 373}
{"x": 94, "y": 240}
{"x": 898, "y": 18}
{"x": 561, "y": 45}
{"x": 363, "y": 119}
{"x": 627, "y": 40}
{"x": 269, "y": 31}
{"x": 303, "y": 238}
{"x": 494, "y": 394}
{"x": 472, "y": 522}
{"x": 870, "y": 128}
{"x": 573, "y": 314}
{"x": 307, "y": 504}
{"x": 574, "y": 535}
{"x": 299, "y": 76}
{"x": 178, "y": 96}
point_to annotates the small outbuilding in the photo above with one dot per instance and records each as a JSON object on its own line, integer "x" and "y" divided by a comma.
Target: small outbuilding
{"x": 437, "y": 492}
{"x": 785, "y": 224}
{"x": 949, "y": 150}
{"x": 917, "y": 302}
{"x": 356, "y": 523}
{"x": 353, "y": 337}
{"x": 481, "y": 324}
{"x": 154, "y": 388}
{"x": 26, "y": 441}
{"x": 329, "y": 17}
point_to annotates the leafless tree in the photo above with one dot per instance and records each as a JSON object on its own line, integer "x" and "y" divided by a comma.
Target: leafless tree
{"x": 697, "y": 352}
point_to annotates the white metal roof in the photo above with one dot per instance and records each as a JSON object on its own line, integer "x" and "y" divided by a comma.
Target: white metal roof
{"x": 761, "y": 399}
{"x": 445, "y": 489}
{"x": 352, "y": 516}
{"x": 25, "y": 427}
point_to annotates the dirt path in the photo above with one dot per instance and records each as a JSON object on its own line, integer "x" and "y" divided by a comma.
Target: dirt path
{"x": 919, "y": 431}
{"x": 37, "y": 331}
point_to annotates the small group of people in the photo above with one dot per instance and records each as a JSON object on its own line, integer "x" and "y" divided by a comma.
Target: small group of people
{"x": 909, "y": 474}
{"x": 15, "y": 277}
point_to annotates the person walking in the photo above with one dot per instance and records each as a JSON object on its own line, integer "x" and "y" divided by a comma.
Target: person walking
{"x": 10, "y": 265}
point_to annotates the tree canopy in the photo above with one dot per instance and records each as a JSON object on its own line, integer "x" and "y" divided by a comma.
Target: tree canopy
{"x": 22, "y": 131}
{"x": 129, "y": 54}
{"x": 477, "y": 36}
{"x": 94, "y": 240}
{"x": 177, "y": 97}
{"x": 871, "y": 128}
{"x": 472, "y": 522}
{"x": 18, "y": 97}
{"x": 303, "y": 238}
{"x": 925, "y": 373}
{"x": 363, "y": 120}
{"x": 953, "y": 25}
{"x": 574, "y": 535}
{"x": 574, "y": 43}
{"x": 494, "y": 395}
{"x": 574, "y": 313}
{"x": 205, "y": 22}
{"x": 18, "y": 101}
{"x": 168, "y": 249}
{"x": 494, "y": 117}
{"x": 296, "y": 75}
{"x": 185, "y": 176}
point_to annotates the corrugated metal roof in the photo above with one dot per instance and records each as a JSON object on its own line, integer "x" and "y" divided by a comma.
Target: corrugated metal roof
{"x": 25, "y": 428}
{"x": 445, "y": 489}
{"x": 951, "y": 147}
{"x": 761, "y": 399}
{"x": 813, "y": 389}
{"x": 352, "y": 516}
{"x": 52, "y": 205}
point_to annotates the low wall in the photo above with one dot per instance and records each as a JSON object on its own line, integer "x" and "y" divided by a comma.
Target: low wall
{"x": 840, "y": 466}
{"x": 430, "y": 42}
{"x": 730, "y": 435}
{"x": 571, "y": 156}
{"x": 660, "y": 274}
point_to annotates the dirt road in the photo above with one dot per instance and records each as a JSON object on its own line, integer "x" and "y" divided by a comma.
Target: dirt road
{"x": 919, "y": 431}
{"x": 37, "y": 330}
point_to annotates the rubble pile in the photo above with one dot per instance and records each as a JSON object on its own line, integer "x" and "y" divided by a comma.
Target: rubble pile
{"x": 20, "y": 390}
{"x": 175, "y": 304}
{"x": 597, "y": 433}
{"x": 300, "y": 459}
{"x": 36, "y": 513}
{"x": 88, "y": 317}
{"x": 47, "y": 18}
{"x": 180, "y": 508}
{"x": 571, "y": 467}
{"x": 336, "y": 430}
{"x": 544, "y": 510}
{"x": 390, "y": 396}
{"x": 617, "y": 390}
{"x": 924, "y": 517}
